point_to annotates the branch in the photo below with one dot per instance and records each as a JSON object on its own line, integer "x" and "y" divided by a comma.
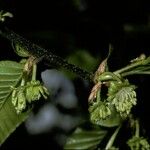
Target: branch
{"x": 39, "y": 52}
{"x": 139, "y": 67}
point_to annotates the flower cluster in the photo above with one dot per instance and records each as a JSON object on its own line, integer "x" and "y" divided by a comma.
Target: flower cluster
{"x": 19, "y": 99}
{"x": 99, "y": 110}
{"x": 35, "y": 90}
{"x": 138, "y": 143}
{"x": 123, "y": 96}
{"x": 22, "y": 95}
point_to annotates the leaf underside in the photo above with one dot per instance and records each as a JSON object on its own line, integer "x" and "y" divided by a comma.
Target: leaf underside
{"x": 10, "y": 75}
{"x": 9, "y": 120}
{"x": 85, "y": 139}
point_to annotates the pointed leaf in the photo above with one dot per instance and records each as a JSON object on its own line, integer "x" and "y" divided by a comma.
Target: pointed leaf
{"x": 9, "y": 119}
{"x": 10, "y": 75}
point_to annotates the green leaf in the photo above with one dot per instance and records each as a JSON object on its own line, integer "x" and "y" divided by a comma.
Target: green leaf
{"x": 10, "y": 75}
{"x": 85, "y": 139}
{"x": 9, "y": 119}
{"x": 20, "y": 50}
{"x": 113, "y": 120}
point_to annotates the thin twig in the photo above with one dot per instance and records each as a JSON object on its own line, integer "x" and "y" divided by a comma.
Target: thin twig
{"x": 38, "y": 52}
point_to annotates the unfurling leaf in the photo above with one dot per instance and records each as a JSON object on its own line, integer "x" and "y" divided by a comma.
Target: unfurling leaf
{"x": 123, "y": 96}
{"x": 106, "y": 116}
{"x": 20, "y": 50}
{"x": 99, "y": 110}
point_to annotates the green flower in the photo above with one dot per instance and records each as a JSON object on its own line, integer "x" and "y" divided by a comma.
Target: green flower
{"x": 26, "y": 94}
{"x": 19, "y": 99}
{"x": 123, "y": 96}
{"x": 138, "y": 143}
{"x": 99, "y": 110}
{"x": 35, "y": 90}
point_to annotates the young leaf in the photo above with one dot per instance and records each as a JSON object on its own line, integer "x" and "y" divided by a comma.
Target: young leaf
{"x": 85, "y": 139}
{"x": 111, "y": 121}
{"x": 10, "y": 75}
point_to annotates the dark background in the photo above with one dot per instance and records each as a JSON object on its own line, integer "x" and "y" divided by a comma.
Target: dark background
{"x": 65, "y": 26}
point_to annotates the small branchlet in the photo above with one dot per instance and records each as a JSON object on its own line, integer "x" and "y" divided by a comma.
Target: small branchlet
{"x": 28, "y": 91}
{"x": 137, "y": 142}
{"x": 121, "y": 94}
